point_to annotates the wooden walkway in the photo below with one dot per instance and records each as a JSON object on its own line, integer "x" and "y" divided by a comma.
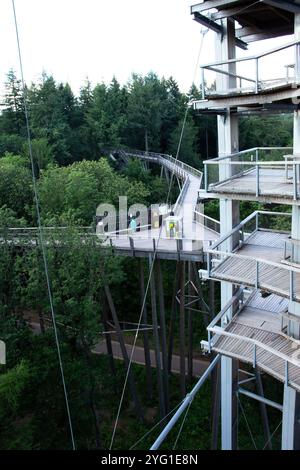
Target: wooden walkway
{"x": 255, "y": 334}
{"x": 195, "y": 238}
{"x": 268, "y": 246}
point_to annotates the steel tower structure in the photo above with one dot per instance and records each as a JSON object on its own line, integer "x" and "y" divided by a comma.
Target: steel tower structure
{"x": 256, "y": 260}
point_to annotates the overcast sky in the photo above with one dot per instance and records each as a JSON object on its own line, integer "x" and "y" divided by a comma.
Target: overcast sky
{"x": 76, "y": 39}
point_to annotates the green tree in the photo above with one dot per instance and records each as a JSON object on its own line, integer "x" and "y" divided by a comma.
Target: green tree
{"x": 144, "y": 112}
{"x": 13, "y": 119}
{"x": 187, "y": 152}
{"x": 15, "y": 184}
{"x": 42, "y": 153}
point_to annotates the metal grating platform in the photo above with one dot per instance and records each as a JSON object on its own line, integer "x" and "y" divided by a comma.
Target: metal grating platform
{"x": 268, "y": 246}
{"x": 254, "y": 335}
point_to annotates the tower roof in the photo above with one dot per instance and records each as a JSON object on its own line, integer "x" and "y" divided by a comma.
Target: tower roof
{"x": 258, "y": 20}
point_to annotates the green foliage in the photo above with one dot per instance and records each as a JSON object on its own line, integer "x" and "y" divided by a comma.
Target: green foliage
{"x": 81, "y": 187}
{"x": 12, "y": 119}
{"x": 69, "y": 135}
{"x": 15, "y": 184}
{"x": 12, "y": 384}
{"x": 144, "y": 111}
{"x": 188, "y": 143}
{"x": 273, "y": 131}
{"x": 8, "y": 218}
{"x": 42, "y": 153}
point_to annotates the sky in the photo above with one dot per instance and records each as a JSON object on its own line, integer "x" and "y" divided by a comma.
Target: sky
{"x": 97, "y": 39}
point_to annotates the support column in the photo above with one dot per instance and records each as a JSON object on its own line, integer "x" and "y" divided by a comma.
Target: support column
{"x": 173, "y": 316}
{"x": 263, "y": 410}
{"x": 131, "y": 382}
{"x": 162, "y": 408}
{"x": 291, "y": 401}
{"x": 145, "y": 332}
{"x": 229, "y": 217}
{"x": 182, "y": 330}
{"x": 291, "y": 419}
{"x": 229, "y": 378}
{"x": 163, "y": 334}
{"x": 190, "y": 324}
{"x": 215, "y": 406}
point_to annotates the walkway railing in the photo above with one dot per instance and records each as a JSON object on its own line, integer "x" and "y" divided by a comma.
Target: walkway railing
{"x": 229, "y": 167}
{"x": 180, "y": 199}
{"x": 242, "y": 83}
{"x": 258, "y": 220}
{"x": 163, "y": 159}
{"x": 206, "y": 221}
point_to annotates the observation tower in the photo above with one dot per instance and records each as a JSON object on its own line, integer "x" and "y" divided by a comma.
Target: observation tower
{"x": 256, "y": 260}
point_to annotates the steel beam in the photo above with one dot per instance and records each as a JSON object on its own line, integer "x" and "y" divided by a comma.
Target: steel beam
{"x": 286, "y": 5}
{"x": 208, "y": 23}
{"x": 261, "y": 399}
{"x": 208, "y": 5}
{"x": 186, "y": 402}
{"x": 230, "y": 12}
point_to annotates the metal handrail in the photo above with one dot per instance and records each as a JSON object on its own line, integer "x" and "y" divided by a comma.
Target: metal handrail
{"x": 232, "y": 160}
{"x": 126, "y": 230}
{"x": 162, "y": 157}
{"x": 243, "y": 152}
{"x": 258, "y": 344}
{"x": 287, "y": 267}
{"x": 291, "y": 269}
{"x": 257, "y": 82}
{"x": 207, "y": 219}
{"x": 242, "y": 224}
{"x": 177, "y": 206}
{"x": 258, "y": 56}
{"x": 224, "y": 310}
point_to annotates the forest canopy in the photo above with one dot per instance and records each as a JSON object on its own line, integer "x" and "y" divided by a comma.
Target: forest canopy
{"x": 72, "y": 138}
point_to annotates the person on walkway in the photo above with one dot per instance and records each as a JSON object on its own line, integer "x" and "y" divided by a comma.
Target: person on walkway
{"x": 132, "y": 224}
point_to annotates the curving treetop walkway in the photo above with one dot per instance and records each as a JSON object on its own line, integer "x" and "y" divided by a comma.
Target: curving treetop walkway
{"x": 198, "y": 230}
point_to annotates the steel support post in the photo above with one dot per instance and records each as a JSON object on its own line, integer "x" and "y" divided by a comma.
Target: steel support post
{"x": 162, "y": 408}
{"x": 190, "y": 324}
{"x": 229, "y": 385}
{"x": 263, "y": 410}
{"x": 145, "y": 332}
{"x": 108, "y": 338}
{"x": 215, "y": 407}
{"x": 229, "y": 217}
{"x": 119, "y": 332}
{"x": 291, "y": 402}
{"x": 182, "y": 330}
{"x": 291, "y": 419}
{"x": 163, "y": 333}
{"x": 173, "y": 316}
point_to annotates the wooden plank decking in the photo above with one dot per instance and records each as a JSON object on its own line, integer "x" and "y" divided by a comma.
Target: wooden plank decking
{"x": 196, "y": 237}
{"x": 261, "y": 245}
{"x": 272, "y": 183}
{"x": 259, "y": 323}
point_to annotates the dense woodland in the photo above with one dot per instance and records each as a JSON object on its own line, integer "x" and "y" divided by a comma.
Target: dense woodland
{"x": 71, "y": 138}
